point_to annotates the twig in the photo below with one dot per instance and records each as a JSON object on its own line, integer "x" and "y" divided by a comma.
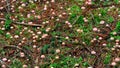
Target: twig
{"x": 2, "y": 19}
{"x": 36, "y": 25}
{"x": 8, "y": 4}
{"x": 8, "y": 9}
{"x": 28, "y": 53}
{"x": 16, "y": 47}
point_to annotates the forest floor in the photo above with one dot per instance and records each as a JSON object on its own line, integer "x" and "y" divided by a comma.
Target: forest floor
{"x": 60, "y": 34}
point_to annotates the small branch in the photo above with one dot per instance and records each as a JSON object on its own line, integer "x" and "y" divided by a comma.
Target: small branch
{"x": 36, "y": 25}
{"x": 28, "y": 53}
{"x": 8, "y": 7}
{"x": 16, "y": 47}
{"x": 2, "y": 19}
{"x": 11, "y": 46}
{"x": 27, "y": 24}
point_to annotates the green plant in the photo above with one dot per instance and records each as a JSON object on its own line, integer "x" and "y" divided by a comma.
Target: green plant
{"x": 19, "y": 28}
{"x": 8, "y": 22}
{"x": 116, "y": 1}
{"x": 118, "y": 26}
{"x": 24, "y": 0}
{"x": 74, "y": 13}
{"x": 1, "y": 32}
{"x": 110, "y": 19}
{"x": 66, "y": 62}
{"x": 22, "y": 19}
{"x": 109, "y": 45}
{"x": 54, "y": 33}
{"x": 97, "y": 19}
{"x": 85, "y": 64}
{"x": 72, "y": 18}
{"x": 8, "y": 36}
{"x": 75, "y": 9}
{"x": 54, "y": 65}
{"x": 32, "y": 5}
{"x": 86, "y": 34}
{"x": 2, "y": 51}
{"x": 107, "y": 59}
{"x": 17, "y": 32}
{"x": 80, "y": 20}
{"x": 103, "y": 11}
{"x": 44, "y": 50}
{"x": 52, "y": 40}
{"x": 117, "y": 37}
{"x": 16, "y": 64}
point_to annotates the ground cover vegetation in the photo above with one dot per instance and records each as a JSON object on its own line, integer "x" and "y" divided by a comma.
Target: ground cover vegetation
{"x": 59, "y": 34}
